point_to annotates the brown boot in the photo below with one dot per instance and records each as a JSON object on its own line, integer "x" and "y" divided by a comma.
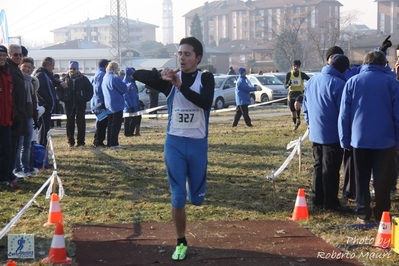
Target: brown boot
{"x": 137, "y": 130}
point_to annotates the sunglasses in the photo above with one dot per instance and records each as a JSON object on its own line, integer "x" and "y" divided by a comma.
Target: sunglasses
{"x": 17, "y": 54}
{"x": 72, "y": 69}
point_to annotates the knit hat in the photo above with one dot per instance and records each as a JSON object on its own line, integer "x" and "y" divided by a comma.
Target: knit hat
{"x": 3, "y": 49}
{"x": 340, "y": 62}
{"x": 103, "y": 62}
{"x": 241, "y": 70}
{"x": 122, "y": 72}
{"x": 73, "y": 64}
{"x": 129, "y": 71}
{"x": 24, "y": 51}
{"x": 334, "y": 50}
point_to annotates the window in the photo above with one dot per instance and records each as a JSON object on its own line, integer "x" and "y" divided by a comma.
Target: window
{"x": 242, "y": 58}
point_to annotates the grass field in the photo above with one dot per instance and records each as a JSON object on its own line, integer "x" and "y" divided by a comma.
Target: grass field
{"x": 125, "y": 186}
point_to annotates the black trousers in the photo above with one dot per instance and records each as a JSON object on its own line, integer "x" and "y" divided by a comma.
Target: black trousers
{"x": 153, "y": 100}
{"x": 5, "y": 152}
{"x": 44, "y": 127}
{"x": 242, "y": 110}
{"x": 381, "y": 163}
{"x": 101, "y": 132}
{"x": 349, "y": 188}
{"x": 328, "y": 159}
{"x": 76, "y": 114}
{"x": 129, "y": 123}
{"x": 114, "y": 127}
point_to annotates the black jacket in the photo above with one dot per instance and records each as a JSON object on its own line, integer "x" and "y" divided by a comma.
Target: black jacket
{"x": 20, "y": 116}
{"x": 78, "y": 92}
{"x": 46, "y": 92}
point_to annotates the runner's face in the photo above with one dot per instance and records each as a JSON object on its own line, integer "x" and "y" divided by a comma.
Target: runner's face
{"x": 187, "y": 58}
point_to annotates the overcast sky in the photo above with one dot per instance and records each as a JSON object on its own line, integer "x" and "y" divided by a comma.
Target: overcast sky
{"x": 33, "y": 19}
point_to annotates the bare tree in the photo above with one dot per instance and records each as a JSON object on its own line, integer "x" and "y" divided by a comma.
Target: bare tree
{"x": 288, "y": 37}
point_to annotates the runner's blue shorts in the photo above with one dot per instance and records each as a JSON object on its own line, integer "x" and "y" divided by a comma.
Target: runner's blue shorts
{"x": 186, "y": 162}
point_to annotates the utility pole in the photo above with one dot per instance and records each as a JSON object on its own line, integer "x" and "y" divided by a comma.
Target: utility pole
{"x": 119, "y": 32}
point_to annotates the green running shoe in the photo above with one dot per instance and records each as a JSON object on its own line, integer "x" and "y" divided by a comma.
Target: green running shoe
{"x": 180, "y": 252}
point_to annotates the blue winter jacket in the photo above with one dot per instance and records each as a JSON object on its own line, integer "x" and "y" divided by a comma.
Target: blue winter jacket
{"x": 131, "y": 97}
{"x": 98, "y": 96}
{"x": 369, "y": 113}
{"x": 321, "y": 103}
{"x": 354, "y": 70}
{"x": 243, "y": 96}
{"x": 113, "y": 90}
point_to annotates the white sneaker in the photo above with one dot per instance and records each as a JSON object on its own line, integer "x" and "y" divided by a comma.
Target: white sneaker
{"x": 34, "y": 172}
{"x": 117, "y": 147}
{"x": 20, "y": 174}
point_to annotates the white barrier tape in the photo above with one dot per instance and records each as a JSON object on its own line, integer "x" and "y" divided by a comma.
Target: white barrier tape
{"x": 296, "y": 144}
{"x": 142, "y": 112}
{"x": 54, "y": 175}
{"x": 50, "y": 142}
{"x": 61, "y": 191}
{"x": 146, "y": 112}
{"x": 7, "y": 228}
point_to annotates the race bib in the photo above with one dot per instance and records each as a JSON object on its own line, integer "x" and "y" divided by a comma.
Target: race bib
{"x": 186, "y": 118}
{"x": 296, "y": 82}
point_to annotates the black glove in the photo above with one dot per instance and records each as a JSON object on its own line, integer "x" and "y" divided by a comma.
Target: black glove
{"x": 35, "y": 124}
{"x": 386, "y": 44}
{"x": 132, "y": 110}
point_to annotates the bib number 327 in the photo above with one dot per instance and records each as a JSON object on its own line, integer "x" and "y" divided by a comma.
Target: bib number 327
{"x": 184, "y": 118}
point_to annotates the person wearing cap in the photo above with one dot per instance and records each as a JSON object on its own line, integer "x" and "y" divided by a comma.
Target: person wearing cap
{"x": 349, "y": 186}
{"x": 294, "y": 82}
{"x": 6, "y": 119}
{"x": 190, "y": 94}
{"x": 371, "y": 133}
{"x": 113, "y": 89}
{"x": 321, "y": 103}
{"x": 243, "y": 98}
{"x": 97, "y": 104}
{"x": 78, "y": 92}
{"x": 132, "y": 104}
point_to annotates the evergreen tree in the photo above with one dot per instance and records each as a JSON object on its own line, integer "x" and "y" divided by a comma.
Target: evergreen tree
{"x": 196, "y": 28}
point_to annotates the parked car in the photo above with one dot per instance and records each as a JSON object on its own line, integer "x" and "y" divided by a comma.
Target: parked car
{"x": 280, "y": 75}
{"x": 224, "y": 94}
{"x": 269, "y": 87}
{"x": 145, "y": 98}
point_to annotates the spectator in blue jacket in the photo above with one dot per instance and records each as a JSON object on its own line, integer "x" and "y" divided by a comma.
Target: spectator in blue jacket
{"x": 243, "y": 98}
{"x": 321, "y": 103}
{"x": 131, "y": 103}
{"x": 113, "y": 89}
{"x": 373, "y": 133}
{"x": 97, "y": 104}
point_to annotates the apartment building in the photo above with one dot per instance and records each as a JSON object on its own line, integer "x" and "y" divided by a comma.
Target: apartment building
{"x": 388, "y": 16}
{"x": 98, "y": 30}
{"x": 261, "y": 19}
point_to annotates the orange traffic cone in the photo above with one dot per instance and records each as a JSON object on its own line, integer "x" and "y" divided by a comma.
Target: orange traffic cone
{"x": 57, "y": 253}
{"x": 11, "y": 263}
{"x": 301, "y": 209}
{"x": 54, "y": 214}
{"x": 383, "y": 238}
